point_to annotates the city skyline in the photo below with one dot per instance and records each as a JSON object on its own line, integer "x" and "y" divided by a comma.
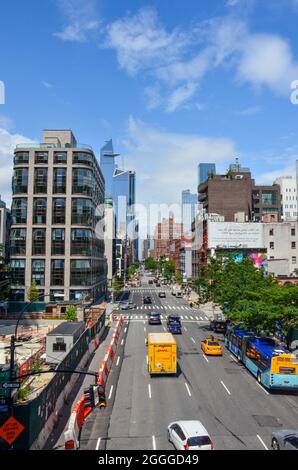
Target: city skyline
{"x": 174, "y": 115}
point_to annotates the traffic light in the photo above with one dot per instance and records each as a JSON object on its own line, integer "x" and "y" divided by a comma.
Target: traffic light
{"x": 102, "y": 402}
{"x": 89, "y": 397}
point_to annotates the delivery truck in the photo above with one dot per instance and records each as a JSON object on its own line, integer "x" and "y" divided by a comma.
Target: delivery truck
{"x": 162, "y": 353}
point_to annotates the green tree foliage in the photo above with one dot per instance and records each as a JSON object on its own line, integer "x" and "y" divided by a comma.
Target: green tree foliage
{"x": 251, "y": 299}
{"x": 132, "y": 269}
{"x": 33, "y": 293}
{"x": 71, "y": 313}
{"x": 117, "y": 285}
{"x": 150, "y": 264}
{"x": 168, "y": 269}
{"x": 178, "y": 278}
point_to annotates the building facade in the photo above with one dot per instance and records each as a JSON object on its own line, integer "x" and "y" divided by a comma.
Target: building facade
{"x": 57, "y": 186}
{"x": 266, "y": 203}
{"x": 189, "y": 204}
{"x": 281, "y": 241}
{"x": 166, "y": 232}
{"x": 5, "y": 221}
{"x": 288, "y": 193}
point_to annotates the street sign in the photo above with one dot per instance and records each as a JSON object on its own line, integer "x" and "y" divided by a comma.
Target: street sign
{"x": 11, "y": 429}
{"x": 11, "y": 385}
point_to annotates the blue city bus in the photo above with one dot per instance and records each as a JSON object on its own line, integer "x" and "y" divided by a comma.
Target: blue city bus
{"x": 273, "y": 365}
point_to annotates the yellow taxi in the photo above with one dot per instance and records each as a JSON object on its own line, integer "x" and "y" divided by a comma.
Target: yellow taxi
{"x": 211, "y": 346}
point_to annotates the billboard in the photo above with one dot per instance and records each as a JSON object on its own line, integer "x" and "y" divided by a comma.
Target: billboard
{"x": 235, "y": 235}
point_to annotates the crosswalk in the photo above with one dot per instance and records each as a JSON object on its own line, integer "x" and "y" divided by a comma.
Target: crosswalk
{"x": 148, "y": 289}
{"x": 135, "y": 316}
{"x": 165, "y": 307}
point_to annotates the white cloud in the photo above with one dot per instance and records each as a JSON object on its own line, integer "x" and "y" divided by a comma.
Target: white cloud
{"x": 250, "y": 111}
{"x": 81, "y": 17}
{"x": 8, "y": 143}
{"x": 170, "y": 159}
{"x": 270, "y": 176}
{"x": 180, "y": 96}
{"x": 267, "y": 60}
{"x": 141, "y": 41}
{"x": 5, "y": 122}
{"x": 47, "y": 84}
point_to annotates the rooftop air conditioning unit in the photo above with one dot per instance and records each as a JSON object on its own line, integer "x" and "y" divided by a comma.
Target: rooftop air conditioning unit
{"x": 238, "y": 177}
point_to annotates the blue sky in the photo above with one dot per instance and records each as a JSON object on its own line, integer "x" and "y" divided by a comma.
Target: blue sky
{"x": 173, "y": 82}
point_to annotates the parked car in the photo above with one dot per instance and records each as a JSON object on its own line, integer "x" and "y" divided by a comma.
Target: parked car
{"x": 154, "y": 318}
{"x": 162, "y": 294}
{"x": 285, "y": 439}
{"x": 147, "y": 300}
{"x": 189, "y": 435}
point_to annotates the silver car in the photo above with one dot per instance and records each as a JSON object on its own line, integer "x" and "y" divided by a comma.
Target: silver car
{"x": 285, "y": 439}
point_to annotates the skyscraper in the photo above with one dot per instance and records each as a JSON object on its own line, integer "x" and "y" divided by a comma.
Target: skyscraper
{"x": 57, "y": 186}
{"x": 189, "y": 203}
{"x": 204, "y": 169}
{"x": 288, "y": 191}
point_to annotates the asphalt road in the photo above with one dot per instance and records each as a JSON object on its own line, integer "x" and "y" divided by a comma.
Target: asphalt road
{"x": 220, "y": 392}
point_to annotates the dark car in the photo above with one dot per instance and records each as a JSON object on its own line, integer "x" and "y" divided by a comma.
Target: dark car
{"x": 173, "y": 318}
{"x": 154, "y": 319}
{"x": 175, "y": 328}
{"x": 150, "y": 281}
{"x": 147, "y": 300}
{"x": 162, "y": 294}
{"x": 218, "y": 326}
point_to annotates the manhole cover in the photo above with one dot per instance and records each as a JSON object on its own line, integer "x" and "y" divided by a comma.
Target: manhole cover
{"x": 267, "y": 421}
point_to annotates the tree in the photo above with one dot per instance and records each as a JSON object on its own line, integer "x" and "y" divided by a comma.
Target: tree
{"x": 117, "y": 285}
{"x": 150, "y": 264}
{"x": 168, "y": 268}
{"x": 178, "y": 278}
{"x": 71, "y": 313}
{"x": 33, "y": 293}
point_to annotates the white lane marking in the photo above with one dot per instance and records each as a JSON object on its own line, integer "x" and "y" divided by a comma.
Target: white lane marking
{"x": 138, "y": 308}
{"x": 144, "y": 322}
{"x": 125, "y": 329}
{"x": 122, "y": 342}
{"x": 149, "y": 306}
{"x": 149, "y": 391}
{"x": 141, "y": 316}
{"x": 166, "y": 308}
{"x": 187, "y": 388}
{"x": 186, "y": 318}
{"x": 145, "y": 307}
{"x": 164, "y": 328}
{"x": 169, "y": 307}
{"x": 154, "y": 442}
{"x": 144, "y": 328}
{"x": 118, "y": 361}
{"x": 147, "y": 359}
{"x": 193, "y": 340}
{"x": 185, "y": 329}
{"x": 201, "y": 318}
{"x": 145, "y": 340}
{"x": 182, "y": 317}
{"x": 225, "y": 387}
{"x": 142, "y": 307}
{"x": 197, "y": 318}
{"x": 161, "y": 316}
{"x": 206, "y": 357}
{"x": 262, "y": 442}
{"x": 111, "y": 391}
{"x": 98, "y": 443}
{"x": 161, "y": 307}
{"x": 191, "y": 318}
{"x": 234, "y": 358}
{"x": 262, "y": 387}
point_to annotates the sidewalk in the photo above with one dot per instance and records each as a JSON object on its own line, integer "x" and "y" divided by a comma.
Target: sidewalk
{"x": 56, "y": 438}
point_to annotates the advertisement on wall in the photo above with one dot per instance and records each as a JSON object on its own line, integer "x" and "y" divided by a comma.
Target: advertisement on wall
{"x": 235, "y": 235}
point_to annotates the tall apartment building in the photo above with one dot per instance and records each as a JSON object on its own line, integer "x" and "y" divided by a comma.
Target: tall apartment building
{"x": 165, "y": 233}
{"x": 57, "y": 186}
{"x": 289, "y": 202}
{"x": 5, "y": 220}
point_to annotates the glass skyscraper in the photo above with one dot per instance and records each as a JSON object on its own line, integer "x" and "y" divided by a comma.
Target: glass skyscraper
{"x": 189, "y": 203}
{"x": 203, "y": 170}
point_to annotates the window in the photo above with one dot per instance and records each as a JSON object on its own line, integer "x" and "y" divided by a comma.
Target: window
{"x": 293, "y": 245}
{"x": 60, "y": 345}
{"x": 82, "y": 181}
{"x": 58, "y": 241}
{"x": 271, "y": 232}
{"x": 38, "y": 272}
{"x": 40, "y": 180}
{"x": 271, "y": 245}
{"x": 17, "y": 267}
{"x": 21, "y": 157}
{"x": 293, "y": 232}
{"x": 17, "y": 295}
{"x": 81, "y": 273}
{"x": 269, "y": 198}
{"x": 81, "y": 242}
{"x": 60, "y": 157}
{"x": 294, "y": 259}
{"x": 82, "y": 157}
{"x": 41, "y": 157}
{"x": 20, "y": 181}
{"x": 56, "y": 295}
{"x": 58, "y": 211}
{"x": 59, "y": 185}
{"x": 57, "y": 272}
{"x": 19, "y": 210}
{"x": 79, "y": 294}
{"x": 39, "y": 241}
{"x": 18, "y": 241}
{"x": 82, "y": 212}
{"x": 40, "y": 211}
